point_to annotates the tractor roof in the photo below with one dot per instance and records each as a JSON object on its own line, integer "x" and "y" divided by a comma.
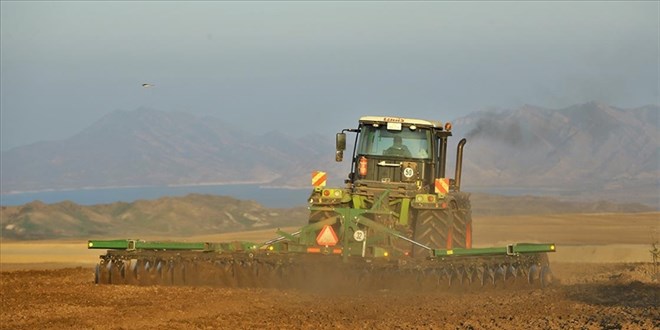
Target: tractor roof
{"x": 389, "y": 119}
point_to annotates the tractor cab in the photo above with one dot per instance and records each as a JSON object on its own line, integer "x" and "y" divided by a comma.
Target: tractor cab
{"x": 401, "y": 153}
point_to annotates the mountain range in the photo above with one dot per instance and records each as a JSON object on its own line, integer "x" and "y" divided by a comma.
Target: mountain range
{"x": 590, "y": 150}
{"x": 147, "y": 147}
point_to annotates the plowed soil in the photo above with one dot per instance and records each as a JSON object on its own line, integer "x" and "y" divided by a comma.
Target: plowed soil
{"x": 605, "y": 281}
{"x": 598, "y": 296}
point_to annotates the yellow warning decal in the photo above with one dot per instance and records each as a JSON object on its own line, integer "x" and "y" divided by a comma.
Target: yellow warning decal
{"x": 442, "y": 186}
{"x": 319, "y": 178}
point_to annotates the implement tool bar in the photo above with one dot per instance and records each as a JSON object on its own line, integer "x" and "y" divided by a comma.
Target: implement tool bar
{"x": 512, "y": 249}
{"x": 129, "y": 244}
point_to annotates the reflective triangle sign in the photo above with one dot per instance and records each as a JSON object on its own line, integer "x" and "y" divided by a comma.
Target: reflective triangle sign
{"x": 327, "y": 236}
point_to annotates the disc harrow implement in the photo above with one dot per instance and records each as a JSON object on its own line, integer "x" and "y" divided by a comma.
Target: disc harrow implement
{"x": 265, "y": 269}
{"x": 297, "y": 261}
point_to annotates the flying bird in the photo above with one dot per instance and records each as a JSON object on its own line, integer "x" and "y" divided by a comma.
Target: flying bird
{"x": 147, "y": 85}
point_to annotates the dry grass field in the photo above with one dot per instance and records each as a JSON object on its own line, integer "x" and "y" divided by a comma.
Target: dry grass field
{"x": 609, "y": 237}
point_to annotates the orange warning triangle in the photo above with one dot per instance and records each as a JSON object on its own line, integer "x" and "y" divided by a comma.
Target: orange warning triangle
{"x": 327, "y": 236}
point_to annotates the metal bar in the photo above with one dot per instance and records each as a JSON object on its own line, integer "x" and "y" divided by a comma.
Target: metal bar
{"x": 121, "y": 244}
{"x": 126, "y": 244}
{"x": 281, "y": 238}
{"x": 170, "y": 245}
{"x": 405, "y": 207}
{"x": 515, "y": 249}
{"x": 304, "y": 229}
{"x": 373, "y": 224}
{"x": 533, "y": 248}
{"x": 384, "y": 163}
{"x": 379, "y": 200}
{"x": 231, "y": 246}
{"x": 364, "y": 244}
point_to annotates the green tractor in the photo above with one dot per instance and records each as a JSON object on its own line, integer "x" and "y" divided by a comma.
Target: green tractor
{"x": 398, "y": 221}
{"x": 399, "y": 164}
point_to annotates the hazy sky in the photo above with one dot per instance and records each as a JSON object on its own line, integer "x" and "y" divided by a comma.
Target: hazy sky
{"x": 316, "y": 66}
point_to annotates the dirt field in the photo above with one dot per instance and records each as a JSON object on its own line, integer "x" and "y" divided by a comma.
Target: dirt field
{"x": 612, "y": 296}
{"x": 607, "y": 282}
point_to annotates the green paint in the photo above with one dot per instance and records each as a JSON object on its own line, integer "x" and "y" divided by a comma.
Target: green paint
{"x": 358, "y": 202}
{"x": 131, "y": 244}
{"x": 513, "y": 249}
{"x": 403, "y": 217}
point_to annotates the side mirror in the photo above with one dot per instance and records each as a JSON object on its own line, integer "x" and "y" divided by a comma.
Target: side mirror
{"x": 341, "y": 141}
{"x": 339, "y": 156}
{"x": 341, "y": 146}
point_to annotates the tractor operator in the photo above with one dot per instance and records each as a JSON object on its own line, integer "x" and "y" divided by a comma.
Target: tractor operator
{"x": 397, "y": 149}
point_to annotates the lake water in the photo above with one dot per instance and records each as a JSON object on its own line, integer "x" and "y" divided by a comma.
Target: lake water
{"x": 269, "y": 197}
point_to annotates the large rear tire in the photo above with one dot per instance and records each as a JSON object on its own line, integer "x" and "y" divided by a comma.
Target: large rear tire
{"x": 461, "y": 228}
{"x": 431, "y": 229}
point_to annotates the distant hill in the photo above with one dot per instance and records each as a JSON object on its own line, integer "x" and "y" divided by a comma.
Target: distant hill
{"x": 193, "y": 214}
{"x": 587, "y": 151}
{"x": 197, "y": 214}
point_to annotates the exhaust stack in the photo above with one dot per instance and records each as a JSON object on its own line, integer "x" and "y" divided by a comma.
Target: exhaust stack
{"x": 459, "y": 164}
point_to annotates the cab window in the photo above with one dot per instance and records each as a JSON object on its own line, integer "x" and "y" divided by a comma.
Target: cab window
{"x": 406, "y": 143}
